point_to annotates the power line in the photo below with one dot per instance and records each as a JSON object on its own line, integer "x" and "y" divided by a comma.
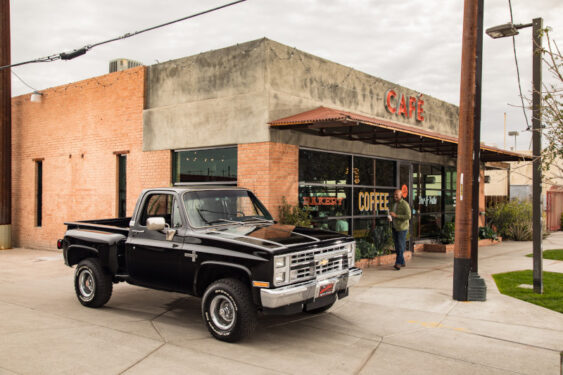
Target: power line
{"x": 83, "y": 50}
{"x": 22, "y": 81}
{"x": 518, "y": 69}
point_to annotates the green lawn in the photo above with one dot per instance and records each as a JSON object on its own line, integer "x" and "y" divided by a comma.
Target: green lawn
{"x": 551, "y": 254}
{"x": 552, "y": 297}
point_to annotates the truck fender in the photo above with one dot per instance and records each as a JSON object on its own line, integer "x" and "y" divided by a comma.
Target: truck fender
{"x": 75, "y": 253}
{"x": 205, "y": 264}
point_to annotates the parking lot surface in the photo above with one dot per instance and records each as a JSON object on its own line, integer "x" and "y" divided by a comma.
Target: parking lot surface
{"x": 393, "y": 322}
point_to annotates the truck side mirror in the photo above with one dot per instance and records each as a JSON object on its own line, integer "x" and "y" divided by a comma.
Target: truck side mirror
{"x": 156, "y": 223}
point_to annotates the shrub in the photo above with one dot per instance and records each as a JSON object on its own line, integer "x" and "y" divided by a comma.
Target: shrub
{"x": 382, "y": 239}
{"x": 487, "y": 233}
{"x": 365, "y": 249}
{"x": 294, "y": 215}
{"x": 447, "y": 234}
{"x": 512, "y": 219}
{"x": 520, "y": 231}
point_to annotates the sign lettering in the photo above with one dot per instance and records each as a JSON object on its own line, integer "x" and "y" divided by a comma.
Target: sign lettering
{"x": 373, "y": 201}
{"x": 403, "y": 105}
{"x": 322, "y": 201}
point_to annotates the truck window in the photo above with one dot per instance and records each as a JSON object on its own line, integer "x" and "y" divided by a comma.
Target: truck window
{"x": 162, "y": 205}
{"x": 218, "y": 207}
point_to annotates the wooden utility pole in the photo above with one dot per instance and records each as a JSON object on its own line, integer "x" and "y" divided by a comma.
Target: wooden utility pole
{"x": 5, "y": 129}
{"x": 467, "y": 284}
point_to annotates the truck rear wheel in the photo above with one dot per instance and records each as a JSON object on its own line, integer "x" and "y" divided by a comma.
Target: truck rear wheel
{"x": 228, "y": 310}
{"x": 92, "y": 285}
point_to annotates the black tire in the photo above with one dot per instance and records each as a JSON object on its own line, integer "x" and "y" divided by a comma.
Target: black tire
{"x": 228, "y": 311}
{"x": 320, "y": 309}
{"x": 92, "y": 285}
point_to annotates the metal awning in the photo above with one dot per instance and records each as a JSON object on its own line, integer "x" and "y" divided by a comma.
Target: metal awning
{"x": 330, "y": 122}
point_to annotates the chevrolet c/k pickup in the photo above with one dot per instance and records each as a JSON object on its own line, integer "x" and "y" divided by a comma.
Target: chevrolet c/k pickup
{"x": 216, "y": 243}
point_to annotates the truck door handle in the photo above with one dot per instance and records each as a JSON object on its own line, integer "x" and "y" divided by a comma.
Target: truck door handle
{"x": 137, "y": 231}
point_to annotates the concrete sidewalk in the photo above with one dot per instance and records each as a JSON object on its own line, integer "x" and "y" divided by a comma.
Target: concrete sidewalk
{"x": 394, "y": 322}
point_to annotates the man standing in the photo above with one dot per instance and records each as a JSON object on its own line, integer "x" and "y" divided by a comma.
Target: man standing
{"x": 400, "y": 215}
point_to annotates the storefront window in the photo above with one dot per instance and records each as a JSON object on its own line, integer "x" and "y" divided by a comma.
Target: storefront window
{"x": 385, "y": 173}
{"x": 372, "y": 202}
{"x": 338, "y": 188}
{"x": 324, "y": 168}
{"x": 326, "y": 201}
{"x": 210, "y": 165}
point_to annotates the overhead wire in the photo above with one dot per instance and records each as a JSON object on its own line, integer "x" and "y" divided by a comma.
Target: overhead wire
{"x": 22, "y": 81}
{"x": 86, "y": 48}
{"x": 518, "y": 69}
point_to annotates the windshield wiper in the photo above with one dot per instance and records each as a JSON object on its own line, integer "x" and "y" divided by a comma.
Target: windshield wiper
{"x": 258, "y": 219}
{"x": 225, "y": 221}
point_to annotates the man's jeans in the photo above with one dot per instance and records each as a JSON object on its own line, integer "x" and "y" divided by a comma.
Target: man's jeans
{"x": 400, "y": 241}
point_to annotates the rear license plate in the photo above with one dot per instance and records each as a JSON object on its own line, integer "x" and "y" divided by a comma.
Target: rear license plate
{"x": 326, "y": 289}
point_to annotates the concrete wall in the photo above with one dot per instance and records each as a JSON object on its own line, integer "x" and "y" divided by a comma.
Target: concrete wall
{"x": 75, "y": 130}
{"x": 299, "y": 81}
{"x": 214, "y": 98}
{"x": 228, "y": 96}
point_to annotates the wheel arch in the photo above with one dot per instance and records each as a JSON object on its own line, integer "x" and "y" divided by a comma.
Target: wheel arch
{"x": 75, "y": 253}
{"x": 211, "y": 271}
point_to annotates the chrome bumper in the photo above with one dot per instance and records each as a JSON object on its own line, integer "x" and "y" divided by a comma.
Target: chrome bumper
{"x": 272, "y": 298}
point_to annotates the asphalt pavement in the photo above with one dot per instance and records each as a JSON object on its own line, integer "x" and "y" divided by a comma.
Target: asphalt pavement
{"x": 393, "y": 322}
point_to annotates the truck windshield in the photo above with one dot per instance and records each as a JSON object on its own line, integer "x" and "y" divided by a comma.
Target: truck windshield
{"x": 220, "y": 207}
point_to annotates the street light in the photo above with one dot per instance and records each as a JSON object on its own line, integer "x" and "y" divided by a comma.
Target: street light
{"x": 514, "y": 134}
{"x": 502, "y": 31}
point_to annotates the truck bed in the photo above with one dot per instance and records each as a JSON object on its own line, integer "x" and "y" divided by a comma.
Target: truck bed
{"x": 117, "y": 225}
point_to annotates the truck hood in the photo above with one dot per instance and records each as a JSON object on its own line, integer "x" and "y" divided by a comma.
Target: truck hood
{"x": 274, "y": 236}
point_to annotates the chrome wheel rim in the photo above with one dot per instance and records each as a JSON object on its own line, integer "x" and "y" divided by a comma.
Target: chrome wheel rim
{"x": 86, "y": 283}
{"x": 222, "y": 312}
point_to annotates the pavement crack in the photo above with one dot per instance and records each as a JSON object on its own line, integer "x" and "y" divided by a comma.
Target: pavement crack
{"x": 365, "y": 362}
{"x": 142, "y": 359}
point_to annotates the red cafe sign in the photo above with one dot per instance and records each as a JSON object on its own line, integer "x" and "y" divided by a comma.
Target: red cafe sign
{"x": 402, "y": 105}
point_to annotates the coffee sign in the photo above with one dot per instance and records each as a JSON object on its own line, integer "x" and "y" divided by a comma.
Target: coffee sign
{"x": 400, "y": 104}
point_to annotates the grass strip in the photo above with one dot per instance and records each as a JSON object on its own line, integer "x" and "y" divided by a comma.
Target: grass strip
{"x": 552, "y": 297}
{"x": 551, "y": 254}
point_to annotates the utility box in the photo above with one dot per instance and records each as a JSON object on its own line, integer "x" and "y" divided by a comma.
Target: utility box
{"x": 117, "y": 65}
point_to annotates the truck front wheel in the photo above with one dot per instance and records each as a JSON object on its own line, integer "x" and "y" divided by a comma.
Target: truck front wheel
{"x": 228, "y": 311}
{"x": 92, "y": 285}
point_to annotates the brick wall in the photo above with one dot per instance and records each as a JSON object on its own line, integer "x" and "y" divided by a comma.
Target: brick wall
{"x": 271, "y": 171}
{"x": 76, "y": 130}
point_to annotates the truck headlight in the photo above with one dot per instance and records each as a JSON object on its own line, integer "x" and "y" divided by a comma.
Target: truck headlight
{"x": 281, "y": 270}
{"x": 280, "y": 278}
{"x": 351, "y": 254}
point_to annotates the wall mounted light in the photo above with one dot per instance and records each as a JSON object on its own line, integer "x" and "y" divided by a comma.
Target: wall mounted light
{"x": 36, "y": 97}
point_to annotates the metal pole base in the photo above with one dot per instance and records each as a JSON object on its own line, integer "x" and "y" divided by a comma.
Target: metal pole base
{"x": 477, "y": 289}
{"x": 5, "y": 237}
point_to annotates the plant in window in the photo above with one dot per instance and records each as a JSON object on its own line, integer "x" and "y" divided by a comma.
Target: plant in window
{"x": 382, "y": 237}
{"x": 447, "y": 234}
{"x": 294, "y": 215}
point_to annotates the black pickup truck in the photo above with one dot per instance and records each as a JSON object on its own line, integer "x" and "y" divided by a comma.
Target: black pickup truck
{"x": 217, "y": 243}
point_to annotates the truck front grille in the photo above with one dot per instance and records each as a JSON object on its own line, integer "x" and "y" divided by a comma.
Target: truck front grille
{"x": 319, "y": 263}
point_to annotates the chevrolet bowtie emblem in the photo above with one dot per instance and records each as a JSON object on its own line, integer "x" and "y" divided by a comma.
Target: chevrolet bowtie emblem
{"x": 323, "y": 262}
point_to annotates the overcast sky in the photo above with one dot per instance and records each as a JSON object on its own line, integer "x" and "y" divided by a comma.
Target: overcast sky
{"x": 414, "y": 43}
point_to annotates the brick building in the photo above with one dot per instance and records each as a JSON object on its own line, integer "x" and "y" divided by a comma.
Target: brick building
{"x": 260, "y": 115}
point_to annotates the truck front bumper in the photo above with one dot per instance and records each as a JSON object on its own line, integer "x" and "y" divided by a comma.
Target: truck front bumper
{"x": 273, "y": 298}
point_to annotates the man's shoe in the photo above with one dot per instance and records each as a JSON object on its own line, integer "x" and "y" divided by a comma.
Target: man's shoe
{"x": 396, "y": 266}
{"x": 403, "y": 265}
